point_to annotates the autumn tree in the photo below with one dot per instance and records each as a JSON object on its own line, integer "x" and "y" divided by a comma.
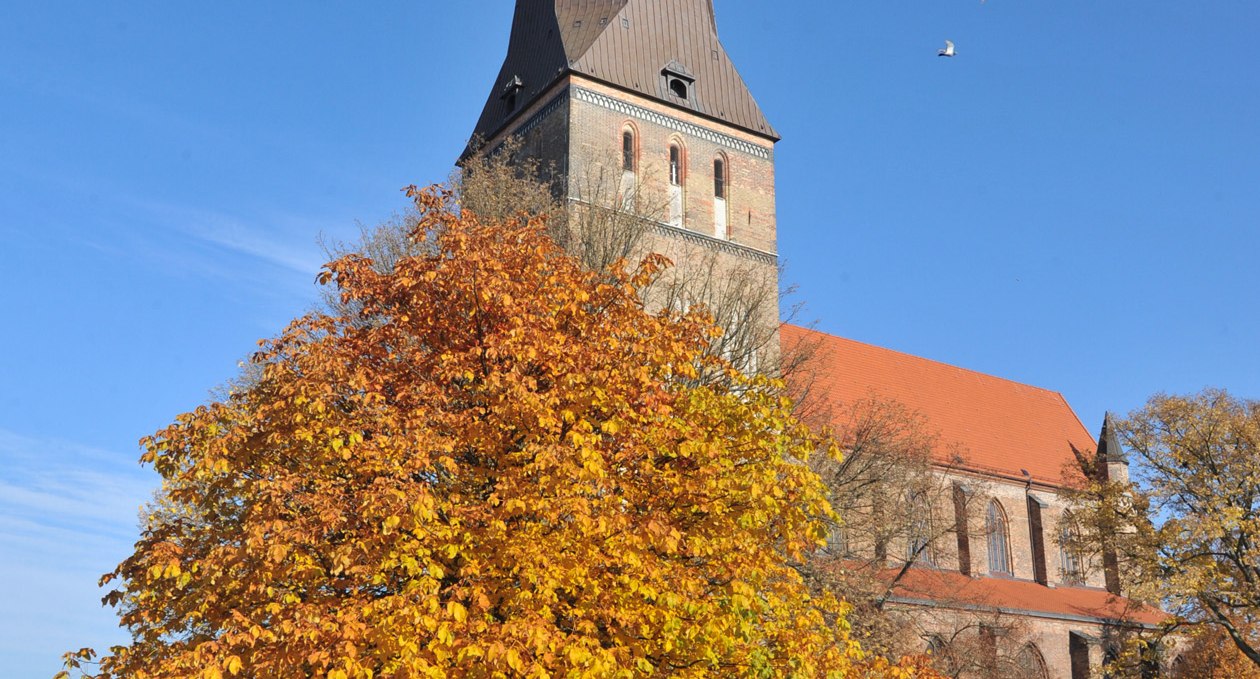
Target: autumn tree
{"x": 600, "y": 219}
{"x": 1211, "y": 654}
{"x": 1187, "y": 531}
{"x": 486, "y": 461}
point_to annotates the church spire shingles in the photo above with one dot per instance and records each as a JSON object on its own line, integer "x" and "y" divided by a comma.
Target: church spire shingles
{"x": 1109, "y": 449}
{"x": 634, "y": 45}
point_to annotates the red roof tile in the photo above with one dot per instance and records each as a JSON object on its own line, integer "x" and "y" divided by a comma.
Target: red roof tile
{"x": 948, "y": 588}
{"x": 1001, "y": 426}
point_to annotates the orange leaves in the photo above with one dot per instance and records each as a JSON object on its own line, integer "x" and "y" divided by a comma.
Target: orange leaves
{"x": 491, "y": 464}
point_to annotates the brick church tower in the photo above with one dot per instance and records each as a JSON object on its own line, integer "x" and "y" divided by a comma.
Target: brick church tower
{"x": 635, "y": 106}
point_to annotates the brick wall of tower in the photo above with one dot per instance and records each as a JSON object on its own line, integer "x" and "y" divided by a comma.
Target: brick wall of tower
{"x": 542, "y": 129}
{"x": 576, "y": 129}
{"x": 598, "y": 115}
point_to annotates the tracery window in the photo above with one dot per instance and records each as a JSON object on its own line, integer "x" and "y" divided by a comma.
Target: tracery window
{"x": 996, "y": 526}
{"x": 1031, "y": 662}
{"x": 1071, "y": 563}
{"x": 919, "y": 544}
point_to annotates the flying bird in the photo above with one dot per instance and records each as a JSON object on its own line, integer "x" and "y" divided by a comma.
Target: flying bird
{"x": 948, "y": 51}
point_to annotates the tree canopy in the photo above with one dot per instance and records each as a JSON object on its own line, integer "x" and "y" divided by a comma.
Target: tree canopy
{"x": 485, "y": 461}
{"x": 1188, "y": 530}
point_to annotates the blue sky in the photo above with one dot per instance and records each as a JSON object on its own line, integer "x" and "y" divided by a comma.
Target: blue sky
{"x": 1071, "y": 202}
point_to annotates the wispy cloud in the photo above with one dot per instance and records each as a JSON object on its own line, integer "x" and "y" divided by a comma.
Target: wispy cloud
{"x": 68, "y": 513}
{"x": 282, "y": 240}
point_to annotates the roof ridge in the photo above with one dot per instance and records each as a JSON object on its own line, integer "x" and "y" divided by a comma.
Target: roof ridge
{"x": 939, "y": 362}
{"x": 1078, "y": 419}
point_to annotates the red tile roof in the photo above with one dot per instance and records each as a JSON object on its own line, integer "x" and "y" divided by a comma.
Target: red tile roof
{"x": 951, "y": 589}
{"x": 1001, "y": 426}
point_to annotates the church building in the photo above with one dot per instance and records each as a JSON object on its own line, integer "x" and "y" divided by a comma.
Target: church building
{"x": 635, "y": 105}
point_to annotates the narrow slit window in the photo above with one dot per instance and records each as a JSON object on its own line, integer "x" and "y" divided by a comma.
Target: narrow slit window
{"x": 627, "y": 151}
{"x": 719, "y": 178}
{"x": 675, "y": 165}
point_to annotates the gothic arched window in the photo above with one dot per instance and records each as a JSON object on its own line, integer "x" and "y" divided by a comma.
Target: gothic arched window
{"x": 719, "y": 178}
{"x": 1071, "y": 563}
{"x": 999, "y": 540}
{"x": 919, "y": 544}
{"x": 675, "y": 165}
{"x": 1031, "y": 662}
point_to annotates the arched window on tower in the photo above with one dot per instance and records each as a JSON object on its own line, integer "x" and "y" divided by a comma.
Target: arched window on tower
{"x": 629, "y": 166}
{"x": 627, "y": 151}
{"x": 999, "y": 540}
{"x": 677, "y": 168}
{"x": 719, "y": 198}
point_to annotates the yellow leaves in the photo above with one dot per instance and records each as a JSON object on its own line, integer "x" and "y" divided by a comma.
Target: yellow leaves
{"x": 165, "y": 571}
{"x": 444, "y": 634}
{"x": 527, "y": 490}
{"x": 514, "y": 660}
{"x": 457, "y": 611}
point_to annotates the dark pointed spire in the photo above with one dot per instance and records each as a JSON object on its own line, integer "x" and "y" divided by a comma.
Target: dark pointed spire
{"x": 627, "y": 44}
{"x": 1109, "y": 449}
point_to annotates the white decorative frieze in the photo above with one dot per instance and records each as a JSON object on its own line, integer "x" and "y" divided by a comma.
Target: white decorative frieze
{"x": 672, "y": 123}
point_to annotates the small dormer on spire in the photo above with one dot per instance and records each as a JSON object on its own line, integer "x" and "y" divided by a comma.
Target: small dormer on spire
{"x": 677, "y": 81}
{"x": 511, "y": 89}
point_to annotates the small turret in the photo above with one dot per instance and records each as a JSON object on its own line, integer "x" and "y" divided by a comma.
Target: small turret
{"x": 1111, "y": 456}
{"x": 1113, "y": 464}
